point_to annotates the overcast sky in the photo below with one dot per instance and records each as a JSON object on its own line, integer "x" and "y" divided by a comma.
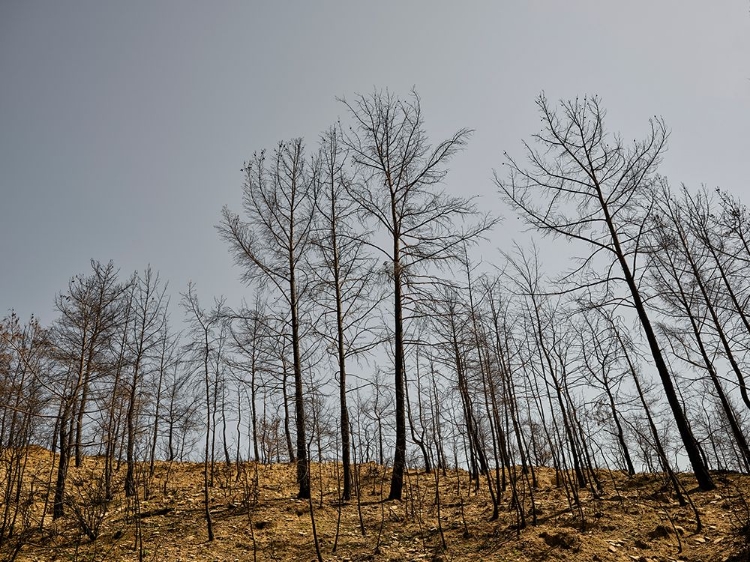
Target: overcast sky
{"x": 124, "y": 125}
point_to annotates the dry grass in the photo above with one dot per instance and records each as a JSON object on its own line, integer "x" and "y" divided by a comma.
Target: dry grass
{"x": 635, "y": 519}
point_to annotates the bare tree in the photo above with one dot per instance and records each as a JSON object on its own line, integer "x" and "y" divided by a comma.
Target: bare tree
{"x": 687, "y": 283}
{"x": 115, "y": 396}
{"x": 396, "y": 186}
{"x": 203, "y": 326}
{"x": 345, "y": 272}
{"x": 584, "y": 184}
{"x": 166, "y": 361}
{"x": 149, "y": 303}
{"x": 181, "y": 410}
{"x": 271, "y": 244}
{"x": 24, "y": 361}
{"x": 89, "y": 315}
{"x": 600, "y": 364}
{"x": 251, "y": 336}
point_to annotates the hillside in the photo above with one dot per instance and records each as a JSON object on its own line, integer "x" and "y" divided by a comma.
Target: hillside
{"x": 634, "y": 519}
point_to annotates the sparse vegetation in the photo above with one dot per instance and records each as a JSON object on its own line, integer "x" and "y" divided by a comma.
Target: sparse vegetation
{"x": 636, "y": 517}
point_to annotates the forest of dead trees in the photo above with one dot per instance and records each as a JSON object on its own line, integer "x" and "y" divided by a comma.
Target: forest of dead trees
{"x": 372, "y": 335}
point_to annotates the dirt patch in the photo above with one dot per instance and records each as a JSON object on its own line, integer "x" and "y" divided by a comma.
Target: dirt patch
{"x": 256, "y": 514}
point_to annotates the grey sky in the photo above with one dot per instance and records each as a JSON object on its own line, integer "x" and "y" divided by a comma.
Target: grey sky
{"x": 124, "y": 125}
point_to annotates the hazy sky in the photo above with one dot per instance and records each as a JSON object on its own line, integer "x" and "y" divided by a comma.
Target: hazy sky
{"x": 124, "y": 125}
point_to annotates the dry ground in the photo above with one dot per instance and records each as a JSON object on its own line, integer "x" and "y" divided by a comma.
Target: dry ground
{"x": 634, "y": 520}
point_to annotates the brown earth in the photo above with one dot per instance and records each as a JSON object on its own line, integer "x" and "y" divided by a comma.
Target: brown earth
{"x": 635, "y": 519}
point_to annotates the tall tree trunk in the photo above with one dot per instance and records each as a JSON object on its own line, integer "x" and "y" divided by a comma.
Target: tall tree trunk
{"x": 58, "y": 505}
{"x": 303, "y": 468}
{"x": 285, "y": 396}
{"x": 688, "y": 439}
{"x": 399, "y": 457}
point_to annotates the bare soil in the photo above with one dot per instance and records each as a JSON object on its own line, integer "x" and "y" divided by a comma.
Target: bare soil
{"x": 257, "y": 517}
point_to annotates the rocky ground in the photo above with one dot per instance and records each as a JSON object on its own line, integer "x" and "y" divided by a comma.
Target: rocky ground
{"x": 634, "y": 519}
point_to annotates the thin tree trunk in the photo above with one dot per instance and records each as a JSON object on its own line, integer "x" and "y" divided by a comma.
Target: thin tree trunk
{"x": 303, "y": 469}
{"x": 688, "y": 439}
